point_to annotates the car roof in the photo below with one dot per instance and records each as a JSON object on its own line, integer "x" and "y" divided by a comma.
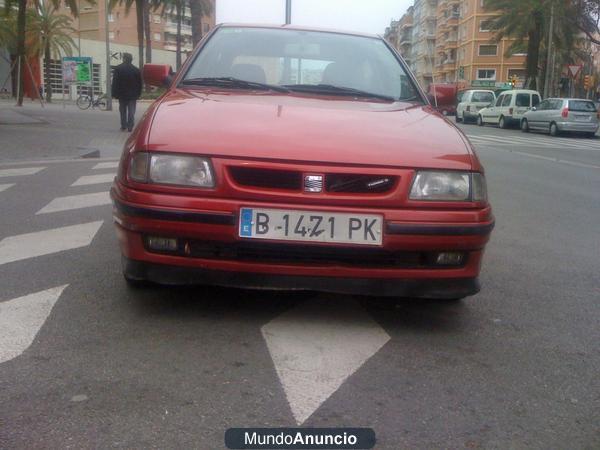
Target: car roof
{"x": 520, "y": 91}
{"x": 297, "y": 28}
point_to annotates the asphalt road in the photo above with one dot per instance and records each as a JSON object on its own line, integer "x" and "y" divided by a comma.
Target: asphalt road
{"x": 86, "y": 362}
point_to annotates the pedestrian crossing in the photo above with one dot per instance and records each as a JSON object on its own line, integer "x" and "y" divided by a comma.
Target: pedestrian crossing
{"x": 21, "y": 318}
{"x": 535, "y": 141}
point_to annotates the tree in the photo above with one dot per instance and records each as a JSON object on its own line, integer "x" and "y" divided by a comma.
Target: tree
{"x": 199, "y": 9}
{"x": 140, "y": 7}
{"x": 21, "y": 32}
{"x": 177, "y": 7}
{"x": 522, "y": 20}
{"x": 49, "y": 34}
{"x": 587, "y": 18}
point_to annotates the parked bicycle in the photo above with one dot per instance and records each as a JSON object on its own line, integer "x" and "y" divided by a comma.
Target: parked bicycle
{"x": 84, "y": 101}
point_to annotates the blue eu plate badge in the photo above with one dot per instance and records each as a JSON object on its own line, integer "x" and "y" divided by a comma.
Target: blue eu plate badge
{"x": 246, "y": 222}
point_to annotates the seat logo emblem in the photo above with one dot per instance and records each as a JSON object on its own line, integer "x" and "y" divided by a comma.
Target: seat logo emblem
{"x": 313, "y": 183}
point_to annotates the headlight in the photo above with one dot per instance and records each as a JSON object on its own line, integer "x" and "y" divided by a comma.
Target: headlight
{"x": 448, "y": 186}
{"x": 171, "y": 169}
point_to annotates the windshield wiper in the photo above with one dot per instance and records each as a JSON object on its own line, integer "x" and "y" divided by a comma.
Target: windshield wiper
{"x": 231, "y": 82}
{"x": 337, "y": 90}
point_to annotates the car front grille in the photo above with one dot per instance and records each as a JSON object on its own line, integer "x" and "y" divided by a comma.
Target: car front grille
{"x": 291, "y": 180}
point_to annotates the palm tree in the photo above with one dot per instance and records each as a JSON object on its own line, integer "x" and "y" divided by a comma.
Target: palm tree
{"x": 140, "y": 7}
{"x": 199, "y": 9}
{"x": 49, "y": 34}
{"x": 21, "y": 32}
{"x": 176, "y": 7}
{"x": 522, "y": 20}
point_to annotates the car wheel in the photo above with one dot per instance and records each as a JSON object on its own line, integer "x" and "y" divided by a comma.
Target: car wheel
{"x": 554, "y": 130}
{"x": 479, "y": 120}
{"x": 524, "y": 126}
{"x": 502, "y": 122}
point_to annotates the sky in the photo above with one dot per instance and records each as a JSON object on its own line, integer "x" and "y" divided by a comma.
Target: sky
{"x": 369, "y": 16}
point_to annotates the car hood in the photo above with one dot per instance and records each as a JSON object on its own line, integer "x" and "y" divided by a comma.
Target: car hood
{"x": 308, "y": 129}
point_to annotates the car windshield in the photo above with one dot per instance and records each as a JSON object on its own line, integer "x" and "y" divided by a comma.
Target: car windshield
{"x": 303, "y": 61}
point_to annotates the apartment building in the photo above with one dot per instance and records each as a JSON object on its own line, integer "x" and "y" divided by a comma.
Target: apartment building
{"x": 400, "y": 35}
{"x": 122, "y": 26}
{"x": 452, "y": 42}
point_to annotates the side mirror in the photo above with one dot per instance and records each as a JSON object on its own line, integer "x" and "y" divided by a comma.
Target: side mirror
{"x": 159, "y": 75}
{"x": 534, "y": 109}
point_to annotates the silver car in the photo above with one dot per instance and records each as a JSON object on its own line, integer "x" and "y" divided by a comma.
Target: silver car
{"x": 558, "y": 115}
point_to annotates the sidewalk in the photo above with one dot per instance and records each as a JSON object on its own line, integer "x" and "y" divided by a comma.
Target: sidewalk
{"x": 58, "y": 131}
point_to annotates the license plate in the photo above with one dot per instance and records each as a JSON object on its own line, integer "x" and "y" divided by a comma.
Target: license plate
{"x": 582, "y": 118}
{"x": 314, "y": 226}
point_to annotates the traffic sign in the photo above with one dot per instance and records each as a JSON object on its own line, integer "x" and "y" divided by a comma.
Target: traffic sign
{"x": 574, "y": 69}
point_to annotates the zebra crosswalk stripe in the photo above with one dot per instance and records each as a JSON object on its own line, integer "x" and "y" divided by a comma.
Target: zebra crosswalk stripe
{"x": 76, "y": 202}
{"x": 4, "y": 187}
{"x": 22, "y": 318}
{"x": 106, "y": 165}
{"x": 94, "y": 179}
{"x": 39, "y": 243}
{"x": 20, "y": 171}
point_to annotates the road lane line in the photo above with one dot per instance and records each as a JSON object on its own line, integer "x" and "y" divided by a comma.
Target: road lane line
{"x": 14, "y": 163}
{"x": 20, "y": 171}
{"x": 39, "y": 243}
{"x": 545, "y": 158}
{"x": 106, "y": 165}
{"x": 22, "y": 318}
{"x": 76, "y": 202}
{"x": 316, "y": 346}
{"x": 94, "y": 179}
{"x": 4, "y": 187}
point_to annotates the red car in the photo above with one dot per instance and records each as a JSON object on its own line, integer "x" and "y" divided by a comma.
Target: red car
{"x": 294, "y": 158}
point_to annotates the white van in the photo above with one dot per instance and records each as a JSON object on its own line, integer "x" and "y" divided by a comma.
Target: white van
{"x": 471, "y": 102}
{"x": 509, "y": 108}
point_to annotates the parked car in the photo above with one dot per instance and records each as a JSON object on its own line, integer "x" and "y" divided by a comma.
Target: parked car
{"x": 291, "y": 158}
{"x": 509, "y": 108}
{"x": 442, "y": 97}
{"x": 471, "y": 102}
{"x": 559, "y": 115}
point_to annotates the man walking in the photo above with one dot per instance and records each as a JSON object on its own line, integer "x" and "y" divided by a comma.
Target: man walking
{"x": 127, "y": 87}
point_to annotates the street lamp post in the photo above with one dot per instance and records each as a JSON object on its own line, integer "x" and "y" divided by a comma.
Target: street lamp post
{"x": 106, "y": 39}
{"x": 288, "y": 12}
{"x": 549, "y": 69}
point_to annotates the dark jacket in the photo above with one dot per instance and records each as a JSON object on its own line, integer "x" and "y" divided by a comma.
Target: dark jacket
{"x": 127, "y": 82}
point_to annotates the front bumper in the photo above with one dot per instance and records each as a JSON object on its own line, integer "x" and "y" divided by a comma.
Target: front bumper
{"x": 217, "y": 223}
{"x": 182, "y": 275}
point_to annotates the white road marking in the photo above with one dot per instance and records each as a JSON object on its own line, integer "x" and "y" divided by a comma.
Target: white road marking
{"x": 107, "y": 165}
{"x": 558, "y": 143}
{"x": 94, "y": 179}
{"x": 23, "y": 246}
{"x": 545, "y": 158}
{"x": 55, "y": 161}
{"x": 20, "y": 171}
{"x": 22, "y": 318}
{"x": 76, "y": 202}
{"x": 4, "y": 187}
{"x": 316, "y": 346}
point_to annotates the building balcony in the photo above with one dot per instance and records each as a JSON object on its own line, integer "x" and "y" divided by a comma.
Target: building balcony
{"x": 171, "y": 27}
{"x": 406, "y": 25}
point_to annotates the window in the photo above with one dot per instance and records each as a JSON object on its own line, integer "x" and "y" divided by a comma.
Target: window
{"x": 485, "y": 25}
{"x": 523, "y": 100}
{"x": 506, "y": 100}
{"x": 581, "y": 106}
{"x": 307, "y": 58}
{"x": 488, "y": 50}
{"x": 111, "y": 18}
{"x": 156, "y": 18}
{"x": 206, "y": 28}
{"x": 535, "y": 100}
{"x": 157, "y": 36}
{"x": 500, "y": 100}
{"x": 483, "y": 97}
{"x": 544, "y": 105}
{"x": 486, "y": 74}
{"x": 111, "y": 34}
